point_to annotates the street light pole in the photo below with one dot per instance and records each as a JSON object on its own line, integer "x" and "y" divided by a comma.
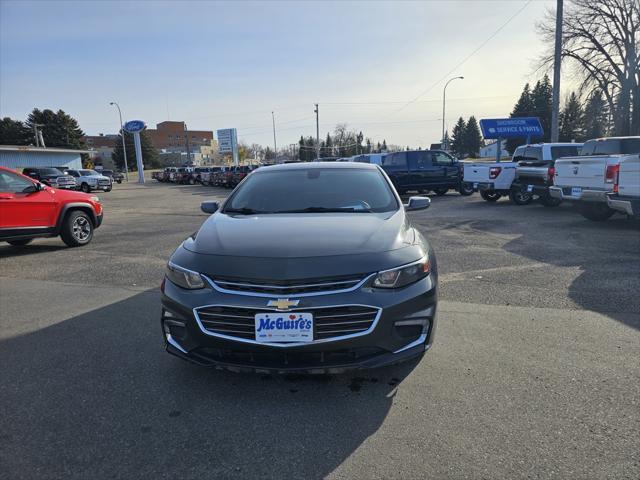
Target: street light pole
{"x": 124, "y": 148}
{"x": 317, "y": 134}
{"x": 275, "y": 144}
{"x": 444, "y": 103}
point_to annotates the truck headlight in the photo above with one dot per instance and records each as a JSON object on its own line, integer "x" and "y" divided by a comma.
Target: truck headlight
{"x": 404, "y": 275}
{"x": 184, "y": 278}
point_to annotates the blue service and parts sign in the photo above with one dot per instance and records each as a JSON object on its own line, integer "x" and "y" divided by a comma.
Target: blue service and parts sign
{"x": 133, "y": 126}
{"x": 511, "y": 127}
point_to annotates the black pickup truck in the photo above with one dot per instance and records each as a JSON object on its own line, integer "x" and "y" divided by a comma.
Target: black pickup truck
{"x": 425, "y": 170}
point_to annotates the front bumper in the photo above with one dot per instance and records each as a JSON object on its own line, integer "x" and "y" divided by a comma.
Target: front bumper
{"x": 565, "y": 193}
{"x": 387, "y": 344}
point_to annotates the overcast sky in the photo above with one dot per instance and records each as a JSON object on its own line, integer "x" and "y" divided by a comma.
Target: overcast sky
{"x": 221, "y": 65}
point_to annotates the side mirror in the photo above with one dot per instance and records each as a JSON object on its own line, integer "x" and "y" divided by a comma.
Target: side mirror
{"x": 417, "y": 203}
{"x": 33, "y": 188}
{"x": 209, "y": 207}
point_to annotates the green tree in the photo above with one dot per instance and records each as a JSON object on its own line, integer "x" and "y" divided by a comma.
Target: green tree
{"x": 326, "y": 148}
{"x": 58, "y": 128}
{"x": 571, "y": 120}
{"x": 384, "y": 146}
{"x": 524, "y": 107}
{"x": 541, "y": 95}
{"x": 149, "y": 152}
{"x": 458, "y": 138}
{"x": 596, "y": 113}
{"x": 472, "y": 138}
{"x": 14, "y": 132}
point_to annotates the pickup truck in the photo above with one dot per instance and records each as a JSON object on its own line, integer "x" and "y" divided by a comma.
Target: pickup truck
{"x": 29, "y": 209}
{"x": 530, "y": 172}
{"x": 592, "y": 179}
{"x": 88, "y": 180}
{"x": 535, "y": 172}
{"x": 51, "y": 177}
{"x": 182, "y": 175}
{"x": 627, "y": 199}
{"x": 425, "y": 170}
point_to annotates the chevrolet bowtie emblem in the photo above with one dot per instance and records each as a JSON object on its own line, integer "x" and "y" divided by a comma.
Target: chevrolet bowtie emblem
{"x": 283, "y": 303}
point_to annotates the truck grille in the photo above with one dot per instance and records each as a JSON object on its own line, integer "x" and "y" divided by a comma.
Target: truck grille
{"x": 328, "y": 322}
{"x": 104, "y": 183}
{"x": 65, "y": 181}
{"x": 273, "y": 287}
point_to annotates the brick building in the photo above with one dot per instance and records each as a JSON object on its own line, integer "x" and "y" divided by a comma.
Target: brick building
{"x": 171, "y": 137}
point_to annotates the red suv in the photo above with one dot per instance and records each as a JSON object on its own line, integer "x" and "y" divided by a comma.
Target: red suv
{"x": 29, "y": 209}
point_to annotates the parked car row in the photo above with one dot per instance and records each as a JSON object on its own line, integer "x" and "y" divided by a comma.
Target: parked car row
{"x": 71, "y": 179}
{"x": 602, "y": 176}
{"x": 226, "y": 177}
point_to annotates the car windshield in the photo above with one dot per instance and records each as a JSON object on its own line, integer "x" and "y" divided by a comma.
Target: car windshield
{"x": 50, "y": 171}
{"x": 316, "y": 190}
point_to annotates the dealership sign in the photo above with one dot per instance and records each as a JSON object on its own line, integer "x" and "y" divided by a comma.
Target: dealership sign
{"x": 228, "y": 143}
{"x": 511, "y": 127}
{"x": 134, "y": 126}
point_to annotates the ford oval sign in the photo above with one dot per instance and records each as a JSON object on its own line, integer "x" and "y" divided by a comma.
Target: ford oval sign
{"x": 133, "y": 126}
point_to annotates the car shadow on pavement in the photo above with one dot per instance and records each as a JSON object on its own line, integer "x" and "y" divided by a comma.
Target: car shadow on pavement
{"x": 96, "y": 396}
{"x": 7, "y": 250}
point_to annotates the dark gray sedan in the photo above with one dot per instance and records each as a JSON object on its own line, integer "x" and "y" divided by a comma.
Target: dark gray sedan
{"x": 310, "y": 267}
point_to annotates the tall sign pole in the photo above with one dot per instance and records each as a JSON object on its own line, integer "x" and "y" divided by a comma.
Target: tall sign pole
{"x": 135, "y": 127}
{"x": 317, "y": 134}
{"x": 557, "y": 60}
{"x": 275, "y": 144}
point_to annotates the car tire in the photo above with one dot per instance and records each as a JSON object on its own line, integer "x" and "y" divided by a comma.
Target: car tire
{"x": 118, "y": 181}
{"x": 466, "y": 189}
{"x": 597, "y": 212}
{"x": 108, "y": 189}
{"x": 20, "y": 243}
{"x": 77, "y": 229}
{"x": 549, "y": 201}
{"x": 490, "y": 196}
{"x": 519, "y": 197}
{"x": 85, "y": 188}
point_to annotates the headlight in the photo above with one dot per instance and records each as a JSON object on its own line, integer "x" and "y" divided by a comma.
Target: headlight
{"x": 95, "y": 199}
{"x": 404, "y": 275}
{"x": 184, "y": 278}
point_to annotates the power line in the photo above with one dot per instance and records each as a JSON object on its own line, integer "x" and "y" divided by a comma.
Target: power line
{"x": 450, "y": 72}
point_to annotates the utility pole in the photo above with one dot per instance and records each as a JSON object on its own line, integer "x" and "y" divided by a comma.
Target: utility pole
{"x": 186, "y": 138}
{"x": 317, "y": 134}
{"x": 557, "y": 60}
{"x": 275, "y": 144}
{"x": 444, "y": 104}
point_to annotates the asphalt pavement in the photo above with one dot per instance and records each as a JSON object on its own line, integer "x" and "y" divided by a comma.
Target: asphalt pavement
{"x": 535, "y": 372}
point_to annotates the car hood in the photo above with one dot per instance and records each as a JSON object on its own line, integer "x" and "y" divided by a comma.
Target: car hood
{"x": 298, "y": 246}
{"x": 302, "y": 235}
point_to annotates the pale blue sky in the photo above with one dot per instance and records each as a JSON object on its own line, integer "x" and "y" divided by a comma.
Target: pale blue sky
{"x": 229, "y": 64}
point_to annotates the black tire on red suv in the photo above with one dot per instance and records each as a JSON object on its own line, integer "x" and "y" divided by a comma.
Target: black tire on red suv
{"x": 77, "y": 229}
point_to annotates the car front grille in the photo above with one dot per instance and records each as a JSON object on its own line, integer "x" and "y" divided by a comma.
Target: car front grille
{"x": 320, "y": 285}
{"x": 104, "y": 183}
{"x": 328, "y": 322}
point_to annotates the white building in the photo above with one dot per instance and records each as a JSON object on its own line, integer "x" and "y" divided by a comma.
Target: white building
{"x": 489, "y": 150}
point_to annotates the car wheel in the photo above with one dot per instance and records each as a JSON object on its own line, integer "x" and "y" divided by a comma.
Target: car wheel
{"x": 490, "y": 196}
{"x": 20, "y": 243}
{"x": 440, "y": 191}
{"x": 85, "y": 188}
{"x": 597, "y": 212}
{"x": 519, "y": 197}
{"x": 77, "y": 229}
{"x": 118, "y": 181}
{"x": 549, "y": 201}
{"x": 108, "y": 189}
{"x": 466, "y": 189}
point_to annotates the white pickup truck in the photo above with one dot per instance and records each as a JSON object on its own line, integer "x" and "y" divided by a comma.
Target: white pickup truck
{"x": 529, "y": 173}
{"x": 592, "y": 179}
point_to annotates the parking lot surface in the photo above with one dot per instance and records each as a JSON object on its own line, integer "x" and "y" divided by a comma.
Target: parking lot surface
{"x": 535, "y": 372}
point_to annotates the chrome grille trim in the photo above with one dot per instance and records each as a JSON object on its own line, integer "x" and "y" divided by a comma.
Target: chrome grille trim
{"x": 221, "y": 289}
{"x": 357, "y": 332}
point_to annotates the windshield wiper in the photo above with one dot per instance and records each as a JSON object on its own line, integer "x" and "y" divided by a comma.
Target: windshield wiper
{"x": 326, "y": 210}
{"x": 242, "y": 211}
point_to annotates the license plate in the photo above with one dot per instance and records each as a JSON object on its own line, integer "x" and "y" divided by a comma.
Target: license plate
{"x": 475, "y": 185}
{"x": 529, "y": 188}
{"x": 284, "y": 327}
{"x": 576, "y": 191}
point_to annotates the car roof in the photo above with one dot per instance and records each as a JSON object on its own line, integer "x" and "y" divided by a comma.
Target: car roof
{"x": 556, "y": 144}
{"x": 318, "y": 165}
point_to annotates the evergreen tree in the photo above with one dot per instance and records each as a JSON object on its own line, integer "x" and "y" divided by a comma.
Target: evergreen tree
{"x": 378, "y": 147}
{"x": 384, "y": 145}
{"x": 14, "y": 132}
{"x": 472, "y": 138}
{"x": 595, "y": 116}
{"x": 368, "y": 147}
{"x": 58, "y": 128}
{"x": 541, "y": 95}
{"x": 571, "y": 120}
{"x": 326, "y": 149}
{"x": 149, "y": 152}
{"x": 458, "y": 138}
{"x": 523, "y": 108}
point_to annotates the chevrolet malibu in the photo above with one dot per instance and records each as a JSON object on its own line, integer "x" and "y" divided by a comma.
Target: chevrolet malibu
{"x": 310, "y": 267}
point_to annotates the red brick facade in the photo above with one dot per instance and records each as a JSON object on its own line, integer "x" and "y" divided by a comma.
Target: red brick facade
{"x": 171, "y": 136}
